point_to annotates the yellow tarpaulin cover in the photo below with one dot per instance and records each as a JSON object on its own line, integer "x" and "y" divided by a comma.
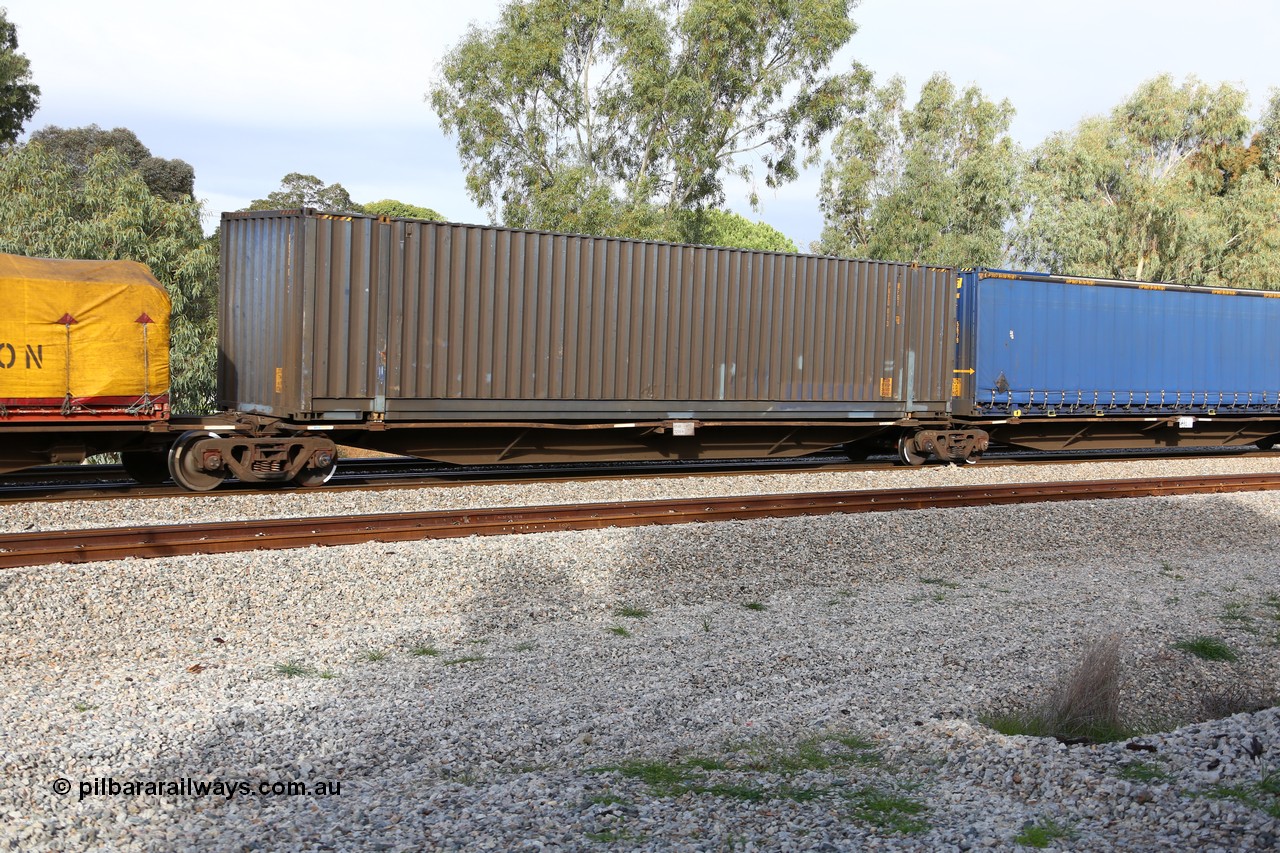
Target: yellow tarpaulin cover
{"x": 94, "y": 330}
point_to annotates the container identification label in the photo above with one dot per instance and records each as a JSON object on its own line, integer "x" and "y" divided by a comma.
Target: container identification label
{"x": 34, "y": 356}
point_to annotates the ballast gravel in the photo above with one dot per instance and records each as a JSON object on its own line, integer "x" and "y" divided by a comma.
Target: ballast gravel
{"x": 226, "y": 506}
{"x": 791, "y": 684}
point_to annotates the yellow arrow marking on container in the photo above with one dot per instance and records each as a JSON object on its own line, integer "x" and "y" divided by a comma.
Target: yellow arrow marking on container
{"x": 969, "y": 371}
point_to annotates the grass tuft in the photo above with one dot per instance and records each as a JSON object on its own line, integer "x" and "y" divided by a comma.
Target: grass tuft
{"x": 1263, "y": 795}
{"x": 704, "y": 775}
{"x": 293, "y": 669}
{"x": 374, "y": 655}
{"x": 755, "y": 605}
{"x": 819, "y": 753}
{"x": 612, "y": 836}
{"x": 424, "y": 651}
{"x": 1207, "y": 648}
{"x": 1042, "y": 834}
{"x": 463, "y": 659}
{"x": 619, "y": 630}
{"x": 629, "y": 612}
{"x": 1142, "y": 771}
{"x": 943, "y": 582}
{"x": 607, "y": 799}
{"x": 1236, "y": 699}
{"x": 1236, "y": 611}
{"x": 888, "y": 810}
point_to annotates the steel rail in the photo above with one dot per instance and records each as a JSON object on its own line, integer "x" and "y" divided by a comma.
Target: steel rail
{"x": 79, "y": 546}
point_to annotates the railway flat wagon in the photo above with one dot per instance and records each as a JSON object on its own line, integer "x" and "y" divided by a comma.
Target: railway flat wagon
{"x": 479, "y": 344}
{"x": 1050, "y": 362}
{"x": 84, "y": 359}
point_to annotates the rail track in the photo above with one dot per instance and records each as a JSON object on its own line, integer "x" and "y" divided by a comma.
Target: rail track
{"x": 107, "y": 482}
{"x": 79, "y": 546}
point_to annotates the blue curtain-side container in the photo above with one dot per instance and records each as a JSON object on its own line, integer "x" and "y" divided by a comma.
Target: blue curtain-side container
{"x": 1033, "y": 345}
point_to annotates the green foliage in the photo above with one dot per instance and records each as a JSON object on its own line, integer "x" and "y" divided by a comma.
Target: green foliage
{"x": 816, "y": 753}
{"x": 1164, "y": 188}
{"x": 610, "y": 117}
{"x": 19, "y": 97}
{"x": 773, "y": 772}
{"x": 50, "y": 208}
{"x": 724, "y": 228}
{"x": 391, "y": 207}
{"x": 888, "y": 810}
{"x": 172, "y": 180}
{"x": 936, "y": 183}
{"x": 293, "y": 669}
{"x": 1207, "y": 648}
{"x": 298, "y": 190}
{"x": 1042, "y": 834}
{"x": 1263, "y": 795}
{"x": 1142, "y": 771}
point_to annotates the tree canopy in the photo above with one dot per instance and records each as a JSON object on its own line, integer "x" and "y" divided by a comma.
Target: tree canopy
{"x": 391, "y": 207}
{"x": 606, "y": 117}
{"x": 50, "y": 207}
{"x": 936, "y": 183}
{"x": 19, "y": 97}
{"x": 172, "y": 180}
{"x": 725, "y": 228}
{"x": 1168, "y": 187}
{"x": 298, "y": 190}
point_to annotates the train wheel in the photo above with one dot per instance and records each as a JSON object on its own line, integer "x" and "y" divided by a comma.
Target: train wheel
{"x": 146, "y": 466}
{"x": 908, "y": 454}
{"x": 309, "y": 478}
{"x": 184, "y": 463}
{"x": 972, "y": 458}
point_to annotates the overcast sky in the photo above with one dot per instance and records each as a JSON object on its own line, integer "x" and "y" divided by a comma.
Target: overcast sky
{"x": 249, "y": 91}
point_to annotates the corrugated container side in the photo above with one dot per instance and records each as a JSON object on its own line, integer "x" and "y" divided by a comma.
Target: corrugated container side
{"x": 1039, "y": 344}
{"x": 419, "y": 320}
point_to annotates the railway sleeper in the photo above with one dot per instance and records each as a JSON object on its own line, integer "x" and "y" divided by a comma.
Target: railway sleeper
{"x": 201, "y": 460}
{"x": 966, "y": 445}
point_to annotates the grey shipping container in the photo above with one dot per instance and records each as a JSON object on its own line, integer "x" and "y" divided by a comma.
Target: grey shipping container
{"x": 346, "y": 319}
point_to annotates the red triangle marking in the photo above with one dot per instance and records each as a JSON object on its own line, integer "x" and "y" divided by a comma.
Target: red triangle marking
{"x": 66, "y": 320}
{"x": 144, "y": 319}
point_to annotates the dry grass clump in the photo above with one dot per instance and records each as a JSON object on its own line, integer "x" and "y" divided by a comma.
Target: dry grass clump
{"x": 1083, "y": 708}
{"x": 1088, "y": 701}
{"x": 1236, "y": 699}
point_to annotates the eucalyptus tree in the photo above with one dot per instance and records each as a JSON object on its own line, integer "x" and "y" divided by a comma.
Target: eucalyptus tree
{"x": 392, "y": 207}
{"x": 49, "y": 208}
{"x": 170, "y": 179}
{"x": 19, "y": 97}
{"x": 299, "y": 190}
{"x": 1169, "y": 187}
{"x": 608, "y": 117}
{"x": 936, "y": 182}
